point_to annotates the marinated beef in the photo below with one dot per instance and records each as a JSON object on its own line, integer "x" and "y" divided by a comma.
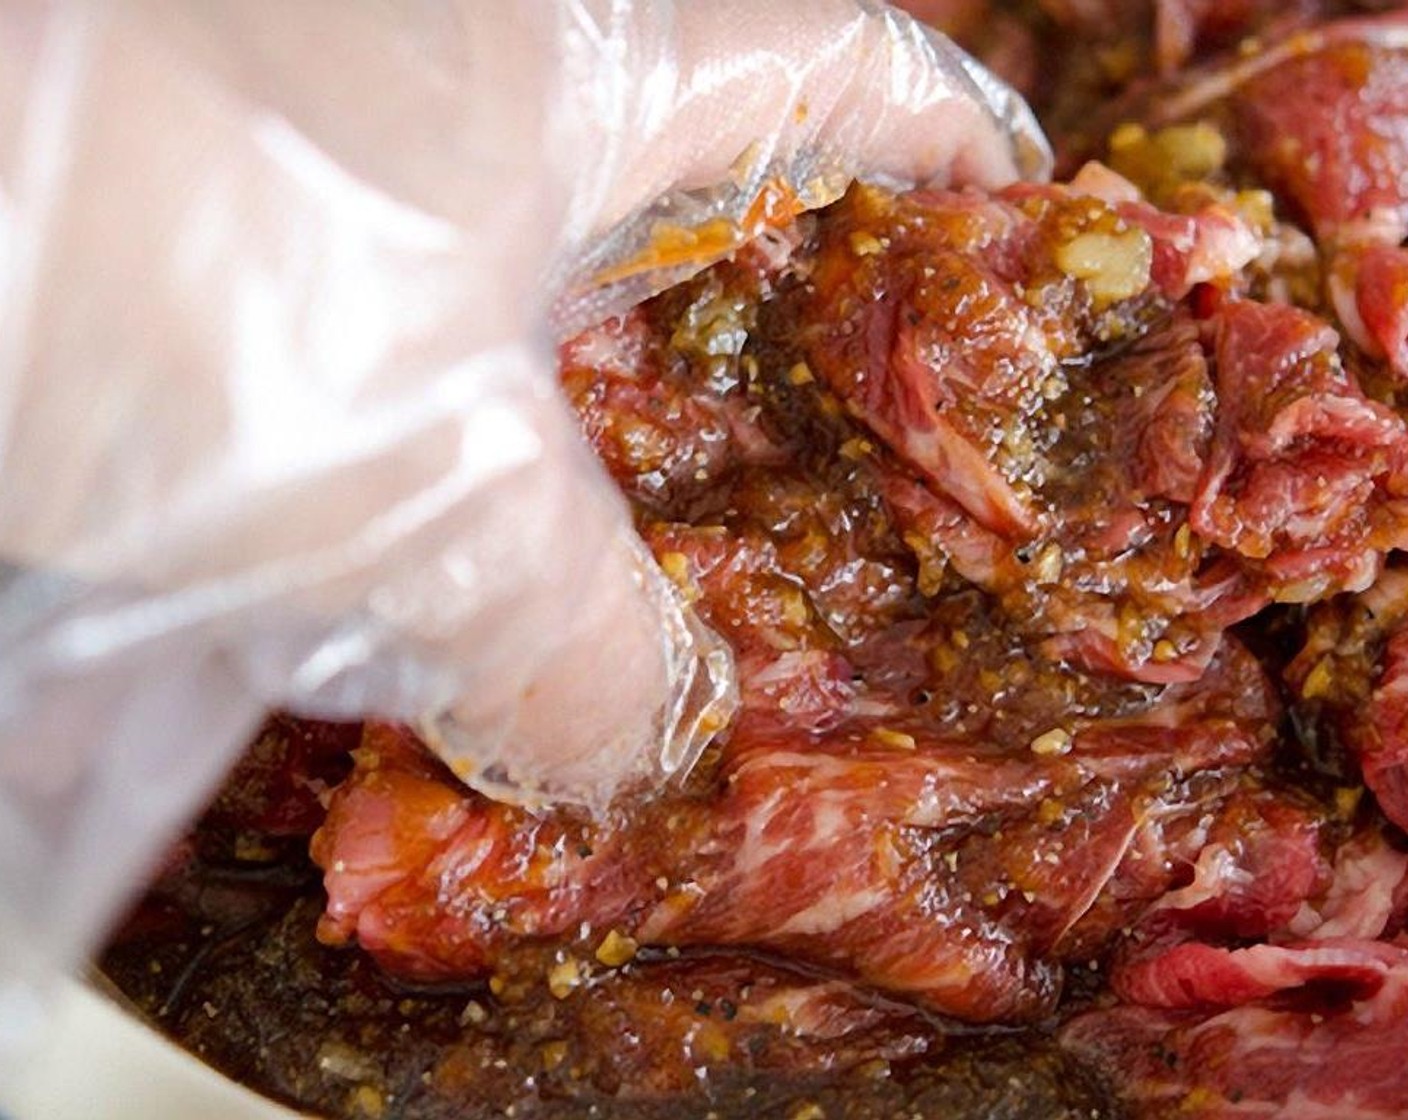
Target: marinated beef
{"x": 950, "y": 872}
{"x": 1052, "y": 531}
{"x": 1268, "y": 1057}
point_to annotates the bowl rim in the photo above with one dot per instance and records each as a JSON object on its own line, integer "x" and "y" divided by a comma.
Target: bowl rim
{"x": 100, "y": 1057}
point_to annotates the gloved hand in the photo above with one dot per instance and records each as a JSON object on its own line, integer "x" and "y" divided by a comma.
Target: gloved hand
{"x": 279, "y": 286}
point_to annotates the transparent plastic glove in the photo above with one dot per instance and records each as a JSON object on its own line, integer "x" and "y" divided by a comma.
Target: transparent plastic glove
{"x": 279, "y": 287}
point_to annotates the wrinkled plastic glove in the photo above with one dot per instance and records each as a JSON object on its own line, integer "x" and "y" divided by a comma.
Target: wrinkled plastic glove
{"x": 279, "y": 288}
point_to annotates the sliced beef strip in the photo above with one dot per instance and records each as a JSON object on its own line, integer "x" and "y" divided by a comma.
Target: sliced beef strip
{"x": 937, "y": 869}
{"x": 1337, "y": 1054}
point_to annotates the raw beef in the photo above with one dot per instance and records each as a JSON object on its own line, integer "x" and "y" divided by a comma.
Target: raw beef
{"x": 1340, "y": 1057}
{"x": 948, "y": 871}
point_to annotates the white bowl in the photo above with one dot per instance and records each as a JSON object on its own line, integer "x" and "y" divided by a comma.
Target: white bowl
{"x": 102, "y": 1063}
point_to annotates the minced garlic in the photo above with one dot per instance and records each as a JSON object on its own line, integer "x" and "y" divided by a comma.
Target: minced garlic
{"x": 616, "y": 949}
{"x": 1055, "y": 741}
{"x": 889, "y": 737}
{"x": 564, "y": 978}
{"x": 1114, "y": 266}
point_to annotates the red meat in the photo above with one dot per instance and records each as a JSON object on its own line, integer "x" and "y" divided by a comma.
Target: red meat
{"x": 936, "y": 346}
{"x": 1126, "y": 503}
{"x": 1217, "y": 1028}
{"x": 1325, "y": 124}
{"x": 1301, "y": 461}
{"x": 1186, "y": 28}
{"x": 1381, "y": 303}
{"x": 1383, "y": 751}
{"x": 1341, "y": 1055}
{"x": 946, "y": 871}
{"x": 1199, "y": 975}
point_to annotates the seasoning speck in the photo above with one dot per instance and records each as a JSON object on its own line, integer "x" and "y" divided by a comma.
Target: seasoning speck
{"x": 1054, "y": 742}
